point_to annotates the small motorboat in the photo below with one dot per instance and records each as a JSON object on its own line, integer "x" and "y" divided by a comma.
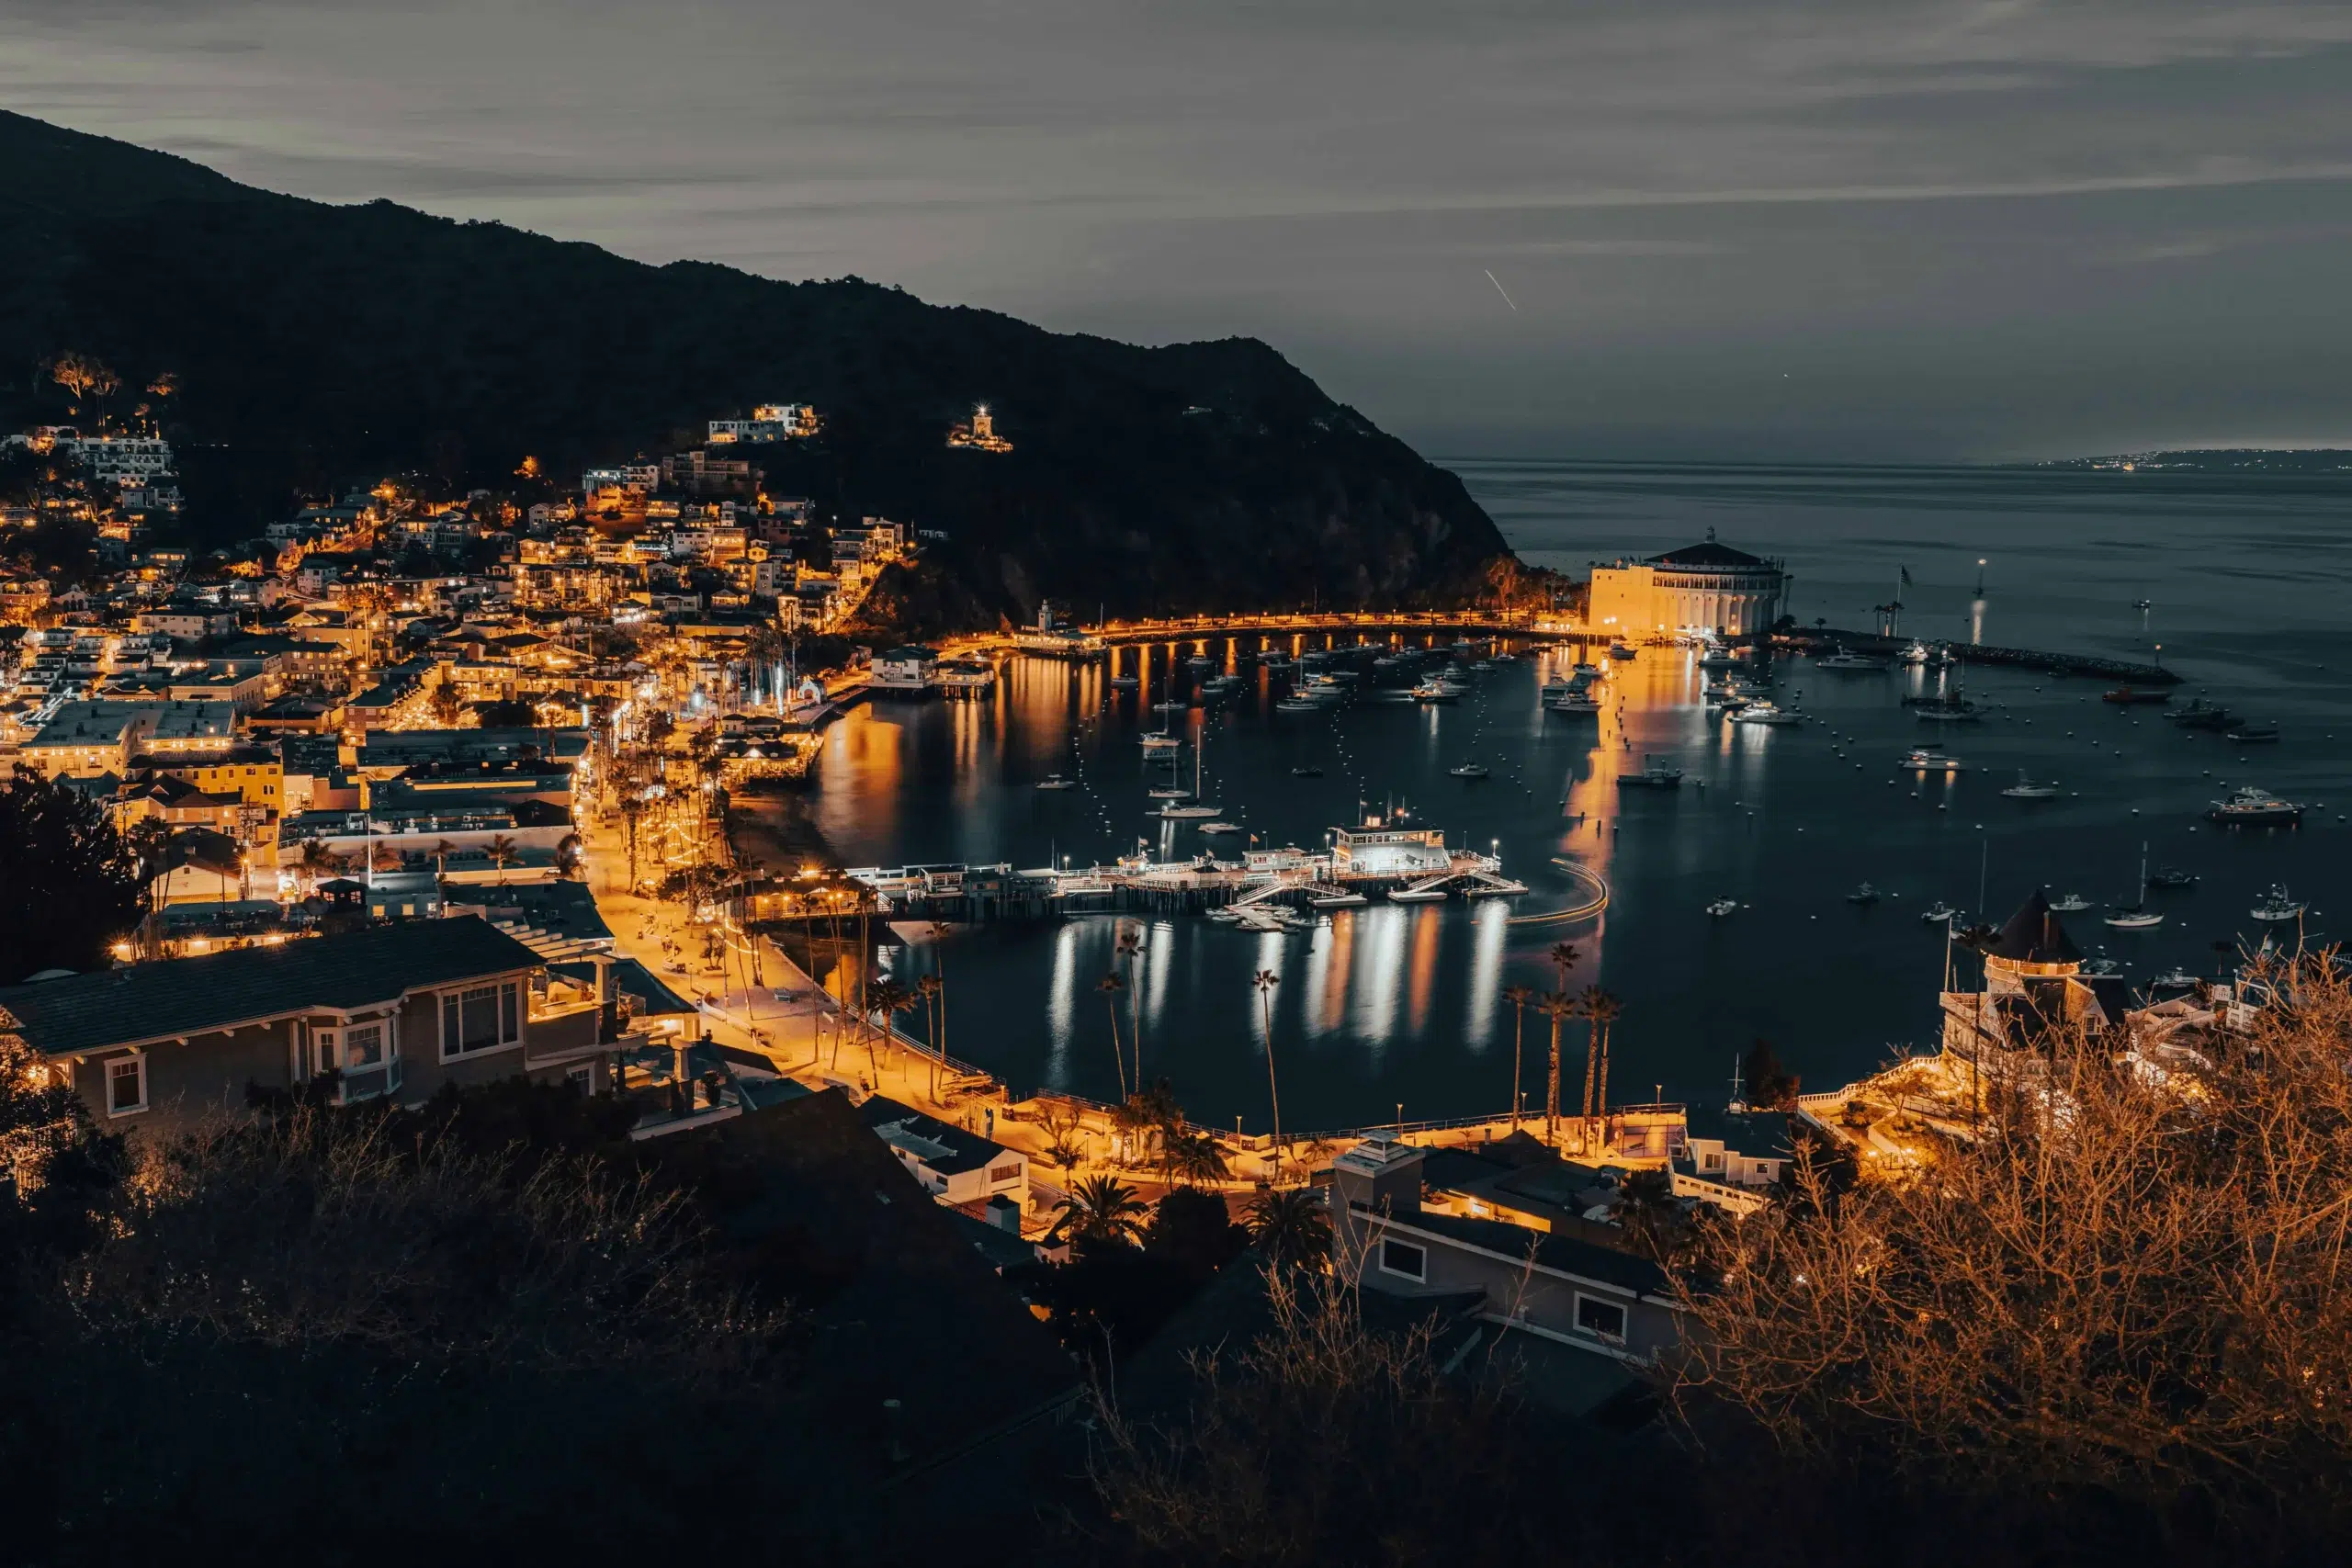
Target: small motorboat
{"x": 1843, "y": 661}
{"x": 2175, "y": 980}
{"x": 1165, "y": 791}
{"x": 2032, "y": 789}
{"x": 1055, "y": 780}
{"x": 1865, "y": 894}
{"x": 2171, "y": 876}
{"x": 1578, "y": 702}
{"x": 1124, "y": 682}
{"x": 1767, "y": 713}
{"x": 1220, "y": 828}
{"x": 1307, "y": 773}
{"x": 1939, "y": 914}
{"x": 1954, "y": 710}
{"x": 1621, "y": 650}
{"x": 2256, "y": 735}
{"x": 1931, "y": 760}
{"x": 2252, "y": 808}
{"x": 1469, "y": 770}
{"x": 2277, "y": 904}
{"x": 1299, "y": 705}
{"x": 1723, "y": 907}
{"x": 1417, "y": 894}
{"x": 1161, "y": 742}
{"x": 2143, "y": 604}
{"x": 1438, "y": 689}
{"x": 2071, "y": 904}
{"x": 1339, "y": 901}
{"x": 1914, "y": 655}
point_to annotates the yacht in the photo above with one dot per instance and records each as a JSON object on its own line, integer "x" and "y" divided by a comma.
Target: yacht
{"x": 2252, "y": 808}
{"x": 1220, "y": 828}
{"x": 1557, "y": 686}
{"x": 2171, "y": 876}
{"x": 2256, "y": 735}
{"x": 1307, "y": 773}
{"x": 1417, "y": 894}
{"x": 1299, "y": 705}
{"x": 1939, "y": 914}
{"x": 1723, "y": 907}
{"x": 1162, "y": 741}
{"x": 1055, "y": 780}
{"x": 2277, "y": 904}
{"x": 1200, "y": 662}
{"x": 2198, "y": 714}
{"x": 1865, "y": 894}
{"x": 1578, "y": 703}
{"x": 1164, "y": 791}
{"x": 1914, "y": 655}
{"x": 1124, "y": 682}
{"x": 1621, "y": 650}
{"x": 2032, "y": 789}
{"x": 1718, "y": 657}
{"x": 1585, "y": 669}
{"x": 1929, "y": 760}
{"x": 1176, "y": 812}
{"x": 2071, "y": 904}
{"x": 1841, "y": 659}
{"x": 1947, "y": 710}
{"x": 1469, "y": 770}
{"x": 1654, "y": 775}
{"x": 1170, "y": 705}
{"x": 1438, "y": 689}
{"x": 1766, "y": 713}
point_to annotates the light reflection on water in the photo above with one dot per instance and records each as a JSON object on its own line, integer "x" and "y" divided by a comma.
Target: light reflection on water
{"x": 1393, "y": 1002}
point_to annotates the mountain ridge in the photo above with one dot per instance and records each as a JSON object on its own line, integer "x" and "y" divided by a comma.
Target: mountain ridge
{"x": 317, "y": 341}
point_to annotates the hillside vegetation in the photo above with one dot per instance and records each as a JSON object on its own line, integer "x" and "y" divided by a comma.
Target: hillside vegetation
{"x": 313, "y": 345}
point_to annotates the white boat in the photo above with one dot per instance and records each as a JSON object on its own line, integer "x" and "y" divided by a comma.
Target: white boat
{"x": 2175, "y": 980}
{"x": 1437, "y": 690}
{"x": 2072, "y": 903}
{"x": 1939, "y": 914}
{"x": 1654, "y": 775}
{"x": 2029, "y": 789}
{"x": 1164, "y": 791}
{"x": 1578, "y": 703}
{"x": 1417, "y": 894}
{"x": 1722, "y": 907}
{"x": 1169, "y": 705}
{"x": 1914, "y": 655}
{"x": 2139, "y": 917}
{"x": 1841, "y": 659}
{"x": 1958, "y": 710}
{"x": 2277, "y": 904}
{"x": 1124, "y": 682}
{"x": 1299, "y": 705}
{"x": 2252, "y": 808}
{"x": 1469, "y": 770}
{"x": 1929, "y": 759}
{"x": 1055, "y": 780}
{"x": 1161, "y": 742}
{"x": 1865, "y": 894}
{"x": 1766, "y": 713}
{"x": 1504, "y": 889}
{"x": 1220, "y": 828}
{"x": 1339, "y": 901}
{"x": 1175, "y": 813}
{"x": 1719, "y": 658}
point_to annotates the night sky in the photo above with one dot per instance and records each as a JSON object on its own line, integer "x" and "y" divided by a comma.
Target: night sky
{"x": 1862, "y": 229}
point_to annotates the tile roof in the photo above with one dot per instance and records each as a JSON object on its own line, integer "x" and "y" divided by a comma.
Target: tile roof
{"x": 191, "y": 996}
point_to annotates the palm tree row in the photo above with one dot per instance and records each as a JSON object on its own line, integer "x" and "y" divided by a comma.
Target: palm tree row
{"x": 1599, "y": 1009}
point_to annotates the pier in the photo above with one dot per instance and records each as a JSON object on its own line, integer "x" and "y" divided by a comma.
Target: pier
{"x": 1877, "y": 643}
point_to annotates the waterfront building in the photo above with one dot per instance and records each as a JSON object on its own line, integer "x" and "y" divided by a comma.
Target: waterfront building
{"x": 1704, "y": 588}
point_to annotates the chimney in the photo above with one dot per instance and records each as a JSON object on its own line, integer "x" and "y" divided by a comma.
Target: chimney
{"x": 1381, "y": 1175}
{"x": 608, "y": 1024}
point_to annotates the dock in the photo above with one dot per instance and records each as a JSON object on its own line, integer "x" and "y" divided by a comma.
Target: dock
{"x": 1883, "y": 645}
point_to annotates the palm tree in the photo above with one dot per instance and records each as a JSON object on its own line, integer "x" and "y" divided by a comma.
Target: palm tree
{"x": 1559, "y": 1008}
{"x": 1265, "y": 980}
{"x": 317, "y": 861}
{"x": 1601, "y": 1009}
{"x": 1291, "y": 1226}
{"x": 885, "y": 997}
{"x": 1563, "y": 958}
{"x": 1518, "y": 997}
{"x": 1130, "y": 948}
{"x": 1100, "y": 1210}
{"x": 504, "y": 851}
{"x": 1111, "y": 985}
{"x": 441, "y": 853}
{"x": 927, "y": 990}
{"x": 1198, "y": 1159}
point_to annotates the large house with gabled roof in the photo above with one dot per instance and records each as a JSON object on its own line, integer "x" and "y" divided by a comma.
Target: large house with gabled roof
{"x": 394, "y": 1011}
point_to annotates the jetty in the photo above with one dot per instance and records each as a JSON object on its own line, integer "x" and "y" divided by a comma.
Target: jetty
{"x": 1879, "y": 645}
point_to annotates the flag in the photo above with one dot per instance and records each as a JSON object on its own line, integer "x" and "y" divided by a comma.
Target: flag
{"x": 1906, "y": 575}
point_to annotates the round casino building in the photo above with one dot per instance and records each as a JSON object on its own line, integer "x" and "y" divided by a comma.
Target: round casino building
{"x": 1706, "y": 587}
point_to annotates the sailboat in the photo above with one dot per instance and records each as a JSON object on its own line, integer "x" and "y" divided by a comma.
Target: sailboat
{"x": 2139, "y": 917}
{"x": 1174, "y": 812}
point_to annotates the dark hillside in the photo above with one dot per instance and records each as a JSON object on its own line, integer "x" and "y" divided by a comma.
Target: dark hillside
{"x": 316, "y": 343}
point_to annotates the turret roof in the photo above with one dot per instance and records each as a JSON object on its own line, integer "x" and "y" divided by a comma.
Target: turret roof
{"x": 2033, "y": 935}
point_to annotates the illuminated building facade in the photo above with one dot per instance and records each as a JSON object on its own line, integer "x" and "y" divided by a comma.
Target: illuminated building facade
{"x": 1702, "y": 588}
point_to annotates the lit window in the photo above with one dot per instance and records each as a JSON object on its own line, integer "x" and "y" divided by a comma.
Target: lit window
{"x": 480, "y": 1018}
{"x": 126, "y": 1085}
{"x": 363, "y": 1046}
{"x": 1604, "y": 1320}
{"x": 1402, "y": 1257}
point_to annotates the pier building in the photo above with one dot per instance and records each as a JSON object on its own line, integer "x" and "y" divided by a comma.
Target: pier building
{"x": 1704, "y": 588}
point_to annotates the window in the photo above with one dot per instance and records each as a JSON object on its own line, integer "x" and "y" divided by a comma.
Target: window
{"x": 1605, "y": 1320}
{"x": 363, "y": 1046}
{"x": 126, "y": 1085}
{"x": 480, "y": 1018}
{"x": 324, "y": 1043}
{"x": 1006, "y": 1172}
{"x": 1403, "y": 1257}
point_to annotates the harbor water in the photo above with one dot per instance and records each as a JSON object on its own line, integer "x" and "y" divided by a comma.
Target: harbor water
{"x": 1402, "y": 1010}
